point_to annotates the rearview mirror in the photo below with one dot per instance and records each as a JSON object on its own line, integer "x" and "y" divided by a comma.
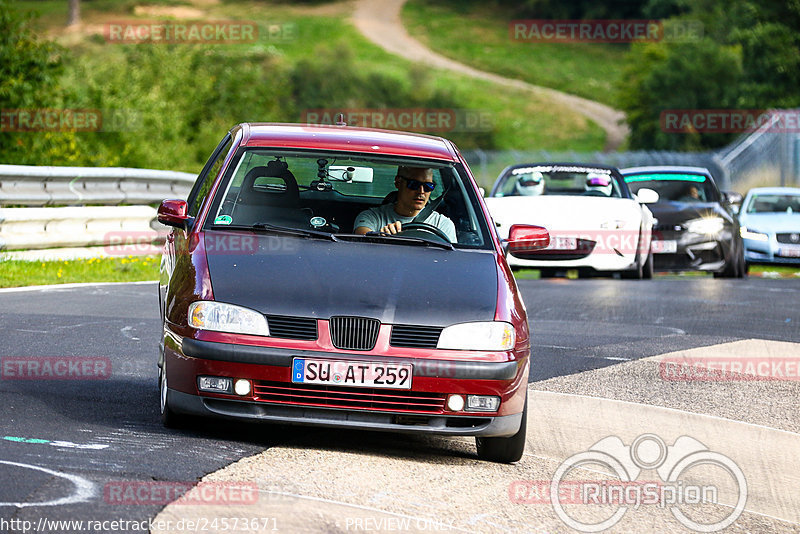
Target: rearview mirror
{"x": 647, "y": 196}
{"x": 174, "y": 213}
{"x": 524, "y": 239}
{"x": 351, "y": 174}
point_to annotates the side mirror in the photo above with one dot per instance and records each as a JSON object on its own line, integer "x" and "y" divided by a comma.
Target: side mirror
{"x": 647, "y": 196}
{"x": 524, "y": 239}
{"x": 174, "y": 213}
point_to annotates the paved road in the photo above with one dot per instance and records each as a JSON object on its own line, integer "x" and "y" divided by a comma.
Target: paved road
{"x": 69, "y": 440}
{"x": 380, "y": 22}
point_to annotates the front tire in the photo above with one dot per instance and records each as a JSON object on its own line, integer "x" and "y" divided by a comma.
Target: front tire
{"x": 505, "y": 450}
{"x": 168, "y": 417}
{"x": 647, "y": 269}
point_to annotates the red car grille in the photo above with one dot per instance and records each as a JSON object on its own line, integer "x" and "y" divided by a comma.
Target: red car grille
{"x": 349, "y": 398}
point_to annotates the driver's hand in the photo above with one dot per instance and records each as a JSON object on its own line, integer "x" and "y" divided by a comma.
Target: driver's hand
{"x": 392, "y": 228}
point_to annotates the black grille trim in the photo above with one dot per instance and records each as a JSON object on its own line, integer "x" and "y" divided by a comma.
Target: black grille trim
{"x": 292, "y": 327}
{"x": 354, "y": 333}
{"x": 786, "y": 239}
{"x": 669, "y": 228}
{"x": 415, "y": 337}
{"x": 349, "y": 397}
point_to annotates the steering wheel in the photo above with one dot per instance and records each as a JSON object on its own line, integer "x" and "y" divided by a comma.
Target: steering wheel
{"x": 423, "y": 230}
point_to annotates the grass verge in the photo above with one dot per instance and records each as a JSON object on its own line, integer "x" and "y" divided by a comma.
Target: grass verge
{"x": 477, "y": 33}
{"x": 20, "y": 273}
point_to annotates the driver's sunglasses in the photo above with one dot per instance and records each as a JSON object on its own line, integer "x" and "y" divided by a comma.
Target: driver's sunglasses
{"x": 416, "y": 184}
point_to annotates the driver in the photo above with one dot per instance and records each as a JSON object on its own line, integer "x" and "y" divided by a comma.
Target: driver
{"x": 600, "y": 183}
{"x": 530, "y": 184}
{"x": 414, "y": 186}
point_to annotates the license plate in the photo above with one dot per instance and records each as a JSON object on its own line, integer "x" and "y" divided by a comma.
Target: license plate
{"x": 354, "y": 374}
{"x": 664, "y": 247}
{"x": 790, "y": 252}
{"x": 562, "y": 243}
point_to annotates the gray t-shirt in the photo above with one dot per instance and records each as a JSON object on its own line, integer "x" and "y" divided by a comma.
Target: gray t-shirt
{"x": 378, "y": 217}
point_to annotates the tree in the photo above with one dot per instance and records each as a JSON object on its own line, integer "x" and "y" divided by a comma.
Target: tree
{"x": 659, "y": 77}
{"x": 74, "y": 12}
{"x": 29, "y": 73}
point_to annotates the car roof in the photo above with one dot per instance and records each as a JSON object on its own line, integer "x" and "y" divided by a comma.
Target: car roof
{"x": 346, "y": 139}
{"x": 666, "y": 169}
{"x": 774, "y": 191}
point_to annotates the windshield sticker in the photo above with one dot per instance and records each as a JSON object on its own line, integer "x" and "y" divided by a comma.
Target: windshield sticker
{"x": 559, "y": 168}
{"x": 666, "y": 177}
{"x": 223, "y": 219}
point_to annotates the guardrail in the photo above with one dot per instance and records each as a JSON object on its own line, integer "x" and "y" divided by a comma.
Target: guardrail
{"x": 118, "y": 229}
{"x": 25, "y": 185}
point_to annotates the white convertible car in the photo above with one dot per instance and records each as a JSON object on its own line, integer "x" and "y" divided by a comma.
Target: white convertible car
{"x": 596, "y": 224}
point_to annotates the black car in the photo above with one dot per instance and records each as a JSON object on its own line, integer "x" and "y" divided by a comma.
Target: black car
{"x": 697, "y": 228}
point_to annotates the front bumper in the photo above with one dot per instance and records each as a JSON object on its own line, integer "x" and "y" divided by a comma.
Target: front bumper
{"x": 275, "y": 398}
{"x": 693, "y": 252}
{"x": 603, "y": 253}
{"x": 771, "y": 252}
{"x": 327, "y": 417}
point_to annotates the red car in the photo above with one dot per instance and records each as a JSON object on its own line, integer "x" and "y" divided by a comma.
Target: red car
{"x": 285, "y": 299}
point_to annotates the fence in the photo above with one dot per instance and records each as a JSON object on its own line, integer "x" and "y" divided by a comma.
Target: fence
{"x": 760, "y": 158}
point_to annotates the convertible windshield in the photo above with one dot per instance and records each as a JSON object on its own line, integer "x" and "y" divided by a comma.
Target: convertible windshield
{"x": 326, "y": 192}
{"x": 773, "y": 204}
{"x": 559, "y": 180}
{"x": 674, "y": 187}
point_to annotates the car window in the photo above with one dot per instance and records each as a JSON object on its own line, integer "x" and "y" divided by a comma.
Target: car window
{"x": 207, "y": 176}
{"x": 674, "y": 187}
{"x": 773, "y": 204}
{"x": 327, "y": 192}
{"x": 559, "y": 180}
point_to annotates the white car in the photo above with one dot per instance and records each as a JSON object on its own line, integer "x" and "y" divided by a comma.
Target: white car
{"x": 596, "y": 224}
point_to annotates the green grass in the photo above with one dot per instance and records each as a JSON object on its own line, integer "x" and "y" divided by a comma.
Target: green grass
{"x": 19, "y": 273}
{"x": 519, "y": 120}
{"x": 477, "y": 33}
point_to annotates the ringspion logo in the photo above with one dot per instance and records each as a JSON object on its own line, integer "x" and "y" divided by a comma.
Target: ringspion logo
{"x": 682, "y": 486}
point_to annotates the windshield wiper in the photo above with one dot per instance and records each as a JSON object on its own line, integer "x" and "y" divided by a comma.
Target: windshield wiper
{"x": 398, "y": 239}
{"x": 285, "y": 230}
